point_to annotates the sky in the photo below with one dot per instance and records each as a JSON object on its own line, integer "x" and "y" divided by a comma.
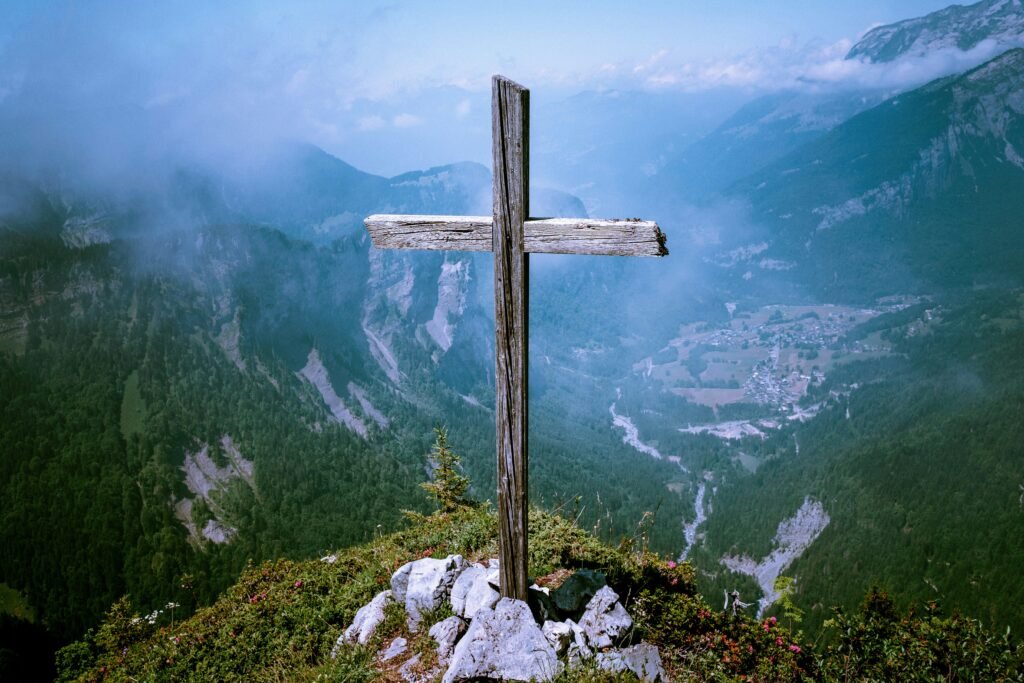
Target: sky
{"x": 349, "y": 76}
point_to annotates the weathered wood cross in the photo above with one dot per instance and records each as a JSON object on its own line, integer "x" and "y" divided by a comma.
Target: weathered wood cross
{"x": 512, "y": 236}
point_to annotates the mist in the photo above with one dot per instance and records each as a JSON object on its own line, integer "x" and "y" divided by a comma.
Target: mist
{"x": 113, "y": 98}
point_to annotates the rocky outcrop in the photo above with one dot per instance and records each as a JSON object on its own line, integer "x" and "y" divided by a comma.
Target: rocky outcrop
{"x": 446, "y": 633}
{"x": 644, "y": 660}
{"x": 503, "y": 643}
{"x": 369, "y": 410}
{"x": 575, "y": 592}
{"x": 315, "y": 373}
{"x": 452, "y": 285}
{"x": 792, "y": 538}
{"x": 367, "y": 619}
{"x": 605, "y": 621}
{"x": 205, "y": 481}
{"x": 505, "y": 639}
{"x": 472, "y": 591}
{"x": 424, "y": 585}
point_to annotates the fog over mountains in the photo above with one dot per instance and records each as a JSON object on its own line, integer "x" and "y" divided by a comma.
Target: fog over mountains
{"x": 204, "y": 361}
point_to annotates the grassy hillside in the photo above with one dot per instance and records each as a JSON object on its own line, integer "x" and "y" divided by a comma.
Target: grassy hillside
{"x": 281, "y": 619}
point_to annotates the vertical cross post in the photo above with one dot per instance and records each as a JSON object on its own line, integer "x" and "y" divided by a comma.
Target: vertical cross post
{"x": 510, "y": 117}
{"x": 510, "y": 236}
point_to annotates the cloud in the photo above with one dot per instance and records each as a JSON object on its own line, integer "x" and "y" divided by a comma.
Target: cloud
{"x": 406, "y": 120}
{"x": 462, "y": 109}
{"x": 812, "y": 66}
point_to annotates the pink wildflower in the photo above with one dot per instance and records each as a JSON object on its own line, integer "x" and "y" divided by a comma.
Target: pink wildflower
{"x": 778, "y": 641}
{"x": 672, "y": 565}
{"x": 298, "y": 584}
{"x": 773, "y": 620}
{"x": 794, "y": 648}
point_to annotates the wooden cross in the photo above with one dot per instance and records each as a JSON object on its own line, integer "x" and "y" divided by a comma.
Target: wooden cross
{"x": 512, "y": 236}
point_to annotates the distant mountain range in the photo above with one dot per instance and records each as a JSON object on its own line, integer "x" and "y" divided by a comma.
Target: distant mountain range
{"x": 958, "y": 26}
{"x": 774, "y": 125}
{"x": 209, "y": 366}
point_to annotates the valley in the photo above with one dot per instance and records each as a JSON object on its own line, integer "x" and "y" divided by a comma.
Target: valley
{"x": 821, "y": 388}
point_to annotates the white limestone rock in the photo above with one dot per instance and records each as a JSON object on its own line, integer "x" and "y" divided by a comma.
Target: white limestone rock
{"x": 396, "y": 649}
{"x": 446, "y": 633}
{"x": 410, "y": 671}
{"x": 559, "y": 634}
{"x": 578, "y": 650}
{"x": 503, "y": 643}
{"x": 494, "y": 576}
{"x": 425, "y": 584}
{"x": 644, "y": 660}
{"x": 471, "y": 592}
{"x": 366, "y": 621}
{"x": 605, "y": 620}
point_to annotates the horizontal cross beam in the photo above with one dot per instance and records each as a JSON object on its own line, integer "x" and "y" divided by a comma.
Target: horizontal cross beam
{"x": 596, "y": 237}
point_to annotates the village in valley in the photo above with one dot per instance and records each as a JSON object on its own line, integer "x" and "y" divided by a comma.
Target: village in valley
{"x": 768, "y": 356}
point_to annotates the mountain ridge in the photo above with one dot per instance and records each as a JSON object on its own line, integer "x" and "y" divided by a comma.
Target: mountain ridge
{"x": 946, "y": 150}
{"x": 957, "y": 26}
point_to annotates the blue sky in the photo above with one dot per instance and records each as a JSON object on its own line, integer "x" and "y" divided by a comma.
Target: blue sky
{"x": 376, "y": 48}
{"x": 344, "y": 74}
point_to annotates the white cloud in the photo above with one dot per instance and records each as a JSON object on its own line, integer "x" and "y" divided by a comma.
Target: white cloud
{"x": 462, "y": 109}
{"x": 406, "y": 120}
{"x": 811, "y": 66}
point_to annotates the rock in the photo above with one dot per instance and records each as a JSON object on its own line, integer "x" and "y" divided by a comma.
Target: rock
{"x": 397, "y": 647}
{"x": 400, "y": 582}
{"x": 605, "y": 620}
{"x": 578, "y": 649}
{"x": 409, "y": 673}
{"x": 367, "y": 619}
{"x": 644, "y": 660}
{"x": 503, "y": 643}
{"x": 541, "y": 605}
{"x": 425, "y": 584}
{"x": 447, "y": 633}
{"x": 559, "y": 634}
{"x": 572, "y": 596}
{"x": 494, "y": 578}
{"x": 471, "y": 592}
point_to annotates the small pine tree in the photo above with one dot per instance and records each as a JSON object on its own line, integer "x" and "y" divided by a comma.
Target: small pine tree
{"x": 449, "y": 484}
{"x": 786, "y": 588}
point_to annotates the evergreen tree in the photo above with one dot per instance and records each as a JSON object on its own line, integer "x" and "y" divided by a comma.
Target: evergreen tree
{"x": 449, "y": 484}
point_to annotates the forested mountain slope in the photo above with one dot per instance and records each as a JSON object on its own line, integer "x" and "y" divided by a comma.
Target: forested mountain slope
{"x": 182, "y": 396}
{"x": 921, "y": 191}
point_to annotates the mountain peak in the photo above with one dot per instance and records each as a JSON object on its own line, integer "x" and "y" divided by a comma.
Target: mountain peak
{"x": 958, "y": 26}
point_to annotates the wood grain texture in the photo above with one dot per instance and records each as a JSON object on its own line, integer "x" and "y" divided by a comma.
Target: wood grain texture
{"x": 592, "y": 236}
{"x": 510, "y": 114}
{"x": 460, "y": 233}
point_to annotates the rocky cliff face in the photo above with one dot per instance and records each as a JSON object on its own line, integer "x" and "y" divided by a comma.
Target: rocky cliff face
{"x": 961, "y": 27}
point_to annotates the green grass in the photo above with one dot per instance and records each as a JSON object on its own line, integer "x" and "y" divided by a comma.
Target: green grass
{"x": 280, "y": 621}
{"x": 282, "y": 618}
{"x": 133, "y": 407}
